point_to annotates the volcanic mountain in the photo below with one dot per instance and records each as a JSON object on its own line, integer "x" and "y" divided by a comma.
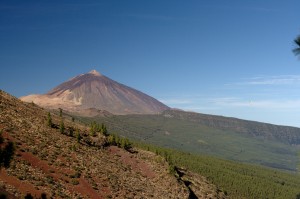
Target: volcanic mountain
{"x": 88, "y": 93}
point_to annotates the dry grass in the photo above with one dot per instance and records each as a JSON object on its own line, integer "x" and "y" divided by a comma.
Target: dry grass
{"x": 47, "y": 161}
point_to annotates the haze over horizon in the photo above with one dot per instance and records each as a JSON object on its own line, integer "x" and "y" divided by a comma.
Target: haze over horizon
{"x": 230, "y": 58}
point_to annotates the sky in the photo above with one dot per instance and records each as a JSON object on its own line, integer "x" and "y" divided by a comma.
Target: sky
{"x": 232, "y": 58}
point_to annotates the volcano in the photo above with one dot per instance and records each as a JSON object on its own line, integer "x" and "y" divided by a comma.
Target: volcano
{"x": 94, "y": 91}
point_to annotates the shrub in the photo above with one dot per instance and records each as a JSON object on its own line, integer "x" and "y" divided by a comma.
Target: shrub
{"x": 49, "y": 120}
{"x": 111, "y": 139}
{"x": 78, "y": 135}
{"x": 60, "y": 112}
{"x": 43, "y": 196}
{"x": 62, "y": 126}
{"x": 74, "y": 182}
{"x": 7, "y": 154}
{"x": 28, "y": 196}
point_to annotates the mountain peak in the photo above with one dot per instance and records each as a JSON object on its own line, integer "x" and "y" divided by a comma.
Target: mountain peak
{"x": 94, "y": 72}
{"x": 95, "y": 91}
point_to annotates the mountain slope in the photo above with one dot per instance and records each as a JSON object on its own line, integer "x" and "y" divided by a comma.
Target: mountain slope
{"x": 228, "y": 138}
{"x": 93, "y": 90}
{"x": 48, "y": 161}
{"x": 285, "y": 134}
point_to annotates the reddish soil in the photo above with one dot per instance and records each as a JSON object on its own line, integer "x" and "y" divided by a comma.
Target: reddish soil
{"x": 35, "y": 162}
{"x": 8, "y": 195}
{"x": 85, "y": 189}
{"x": 43, "y": 165}
{"x": 22, "y": 186}
{"x": 8, "y": 137}
{"x": 105, "y": 190}
{"x": 134, "y": 163}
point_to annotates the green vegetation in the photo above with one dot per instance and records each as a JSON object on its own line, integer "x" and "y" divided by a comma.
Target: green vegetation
{"x": 237, "y": 179}
{"x": 119, "y": 141}
{"x": 93, "y": 128}
{"x": 96, "y": 128}
{"x": 75, "y": 182}
{"x": 62, "y": 126}
{"x": 49, "y": 120}
{"x": 77, "y": 135}
{"x": 194, "y": 137}
{"x": 71, "y": 131}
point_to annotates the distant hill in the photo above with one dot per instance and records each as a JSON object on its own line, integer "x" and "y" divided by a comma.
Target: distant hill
{"x": 229, "y": 138}
{"x": 57, "y": 163}
{"x": 96, "y": 91}
{"x": 285, "y": 134}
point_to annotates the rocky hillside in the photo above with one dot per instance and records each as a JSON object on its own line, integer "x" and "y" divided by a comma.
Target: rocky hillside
{"x": 51, "y": 161}
{"x": 96, "y": 91}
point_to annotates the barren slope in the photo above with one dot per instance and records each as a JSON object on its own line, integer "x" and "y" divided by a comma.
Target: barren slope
{"x": 54, "y": 163}
{"x": 93, "y": 90}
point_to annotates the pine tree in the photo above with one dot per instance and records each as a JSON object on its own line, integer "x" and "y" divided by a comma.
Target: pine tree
{"x": 125, "y": 144}
{"x": 111, "y": 139}
{"x": 118, "y": 141}
{"x": 93, "y": 128}
{"x": 78, "y": 136}
{"x": 104, "y": 130}
{"x": 62, "y": 126}
{"x": 49, "y": 120}
{"x": 60, "y": 112}
{"x": 71, "y": 133}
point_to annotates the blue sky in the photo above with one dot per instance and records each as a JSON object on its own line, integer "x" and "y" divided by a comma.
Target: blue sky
{"x": 231, "y": 58}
